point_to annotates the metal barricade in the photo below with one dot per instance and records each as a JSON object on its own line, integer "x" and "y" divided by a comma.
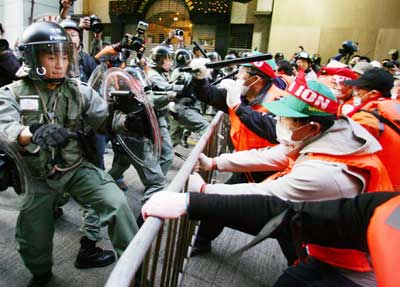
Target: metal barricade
{"x": 160, "y": 251}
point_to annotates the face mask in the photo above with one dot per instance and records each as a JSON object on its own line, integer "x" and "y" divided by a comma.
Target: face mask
{"x": 244, "y": 88}
{"x": 284, "y": 136}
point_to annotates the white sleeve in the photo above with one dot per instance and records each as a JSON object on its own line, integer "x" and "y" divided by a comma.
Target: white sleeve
{"x": 308, "y": 181}
{"x": 267, "y": 159}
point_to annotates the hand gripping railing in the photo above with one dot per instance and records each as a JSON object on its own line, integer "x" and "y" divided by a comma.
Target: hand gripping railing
{"x": 170, "y": 251}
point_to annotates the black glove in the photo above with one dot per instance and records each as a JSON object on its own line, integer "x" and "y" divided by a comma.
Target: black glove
{"x": 137, "y": 122}
{"x": 46, "y": 135}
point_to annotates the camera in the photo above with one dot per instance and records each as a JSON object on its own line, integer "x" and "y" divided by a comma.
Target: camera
{"x": 179, "y": 32}
{"x": 95, "y": 24}
{"x": 141, "y": 28}
{"x": 137, "y": 41}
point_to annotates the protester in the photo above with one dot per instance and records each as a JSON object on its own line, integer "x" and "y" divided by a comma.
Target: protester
{"x": 356, "y": 223}
{"x": 320, "y": 157}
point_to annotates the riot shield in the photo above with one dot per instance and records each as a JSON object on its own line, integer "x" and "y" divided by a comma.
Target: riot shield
{"x": 126, "y": 94}
{"x": 96, "y": 78}
{"x": 14, "y": 172}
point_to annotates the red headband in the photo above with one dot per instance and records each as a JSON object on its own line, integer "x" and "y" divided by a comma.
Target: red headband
{"x": 300, "y": 90}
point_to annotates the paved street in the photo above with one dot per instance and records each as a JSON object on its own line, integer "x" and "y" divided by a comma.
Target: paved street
{"x": 256, "y": 268}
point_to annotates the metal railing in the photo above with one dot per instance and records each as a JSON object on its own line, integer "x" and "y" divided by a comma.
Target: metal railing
{"x": 160, "y": 252}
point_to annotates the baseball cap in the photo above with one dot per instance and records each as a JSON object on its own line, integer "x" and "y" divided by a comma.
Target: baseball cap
{"x": 374, "y": 79}
{"x": 267, "y": 67}
{"x": 295, "y": 107}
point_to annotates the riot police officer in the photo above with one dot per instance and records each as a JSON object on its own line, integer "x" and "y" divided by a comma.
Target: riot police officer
{"x": 161, "y": 63}
{"x": 185, "y": 110}
{"x": 43, "y": 113}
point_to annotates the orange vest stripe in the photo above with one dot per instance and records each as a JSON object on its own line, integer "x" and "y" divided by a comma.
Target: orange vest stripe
{"x": 389, "y": 139}
{"x": 378, "y": 181}
{"x": 383, "y": 242}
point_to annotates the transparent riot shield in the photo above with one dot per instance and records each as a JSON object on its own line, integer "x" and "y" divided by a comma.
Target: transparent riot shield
{"x": 96, "y": 78}
{"x": 14, "y": 172}
{"x": 126, "y": 95}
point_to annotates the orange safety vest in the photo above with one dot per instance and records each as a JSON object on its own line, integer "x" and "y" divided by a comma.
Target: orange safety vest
{"x": 378, "y": 181}
{"x": 389, "y": 139}
{"x": 383, "y": 237}
{"x": 242, "y": 137}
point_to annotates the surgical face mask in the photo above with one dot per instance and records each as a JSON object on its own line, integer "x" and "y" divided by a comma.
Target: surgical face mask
{"x": 284, "y": 136}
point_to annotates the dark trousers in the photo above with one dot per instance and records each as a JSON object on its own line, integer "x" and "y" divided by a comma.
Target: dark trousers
{"x": 209, "y": 230}
{"x": 313, "y": 274}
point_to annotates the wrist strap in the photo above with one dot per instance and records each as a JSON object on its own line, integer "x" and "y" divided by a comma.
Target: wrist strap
{"x": 214, "y": 164}
{"x": 203, "y": 187}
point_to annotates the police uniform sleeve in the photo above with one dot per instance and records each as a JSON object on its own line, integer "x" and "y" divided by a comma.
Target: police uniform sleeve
{"x": 96, "y": 112}
{"x": 10, "y": 115}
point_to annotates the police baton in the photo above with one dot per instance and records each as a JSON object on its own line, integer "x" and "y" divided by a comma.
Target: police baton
{"x": 226, "y": 63}
{"x": 200, "y": 49}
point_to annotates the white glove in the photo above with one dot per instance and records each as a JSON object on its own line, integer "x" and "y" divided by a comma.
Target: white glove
{"x": 205, "y": 163}
{"x": 233, "y": 92}
{"x": 196, "y": 183}
{"x": 199, "y": 68}
{"x": 165, "y": 205}
{"x": 171, "y": 107}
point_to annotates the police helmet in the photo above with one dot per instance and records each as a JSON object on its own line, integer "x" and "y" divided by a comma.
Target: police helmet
{"x": 230, "y": 57}
{"x": 304, "y": 56}
{"x": 48, "y": 38}
{"x": 213, "y": 56}
{"x": 183, "y": 57}
{"x": 158, "y": 54}
{"x": 70, "y": 24}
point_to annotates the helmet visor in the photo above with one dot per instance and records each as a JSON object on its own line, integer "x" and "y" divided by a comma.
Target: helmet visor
{"x": 51, "y": 61}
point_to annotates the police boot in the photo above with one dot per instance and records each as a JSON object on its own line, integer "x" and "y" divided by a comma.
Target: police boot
{"x": 42, "y": 280}
{"x": 90, "y": 256}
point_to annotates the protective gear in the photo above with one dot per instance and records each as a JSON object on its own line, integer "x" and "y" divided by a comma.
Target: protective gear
{"x": 379, "y": 181}
{"x": 50, "y": 135}
{"x": 48, "y": 38}
{"x": 183, "y": 57}
{"x": 303, "y": 55}
{"x": 159, "y": 54}
{"x": 166, "y": 205}
{"x": 138, "y": 123}
{"x": 40, "y": 280}
{"x": 138, "y": 74}
{"x": 387, "y": 136}
{"x": 230, "y": 57}
{"x": 127, "y": 96}
{"x": 284, "y": 136}
{"x": 71, "y": 24}
{"x": 234, "y": 91}
{"x": 196, "y": 183}
{"x": 383, "y": 236}
{"x": 213, "y": 56}
{"x": 90, "y": 256}
{"x": 199, "y": 68}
